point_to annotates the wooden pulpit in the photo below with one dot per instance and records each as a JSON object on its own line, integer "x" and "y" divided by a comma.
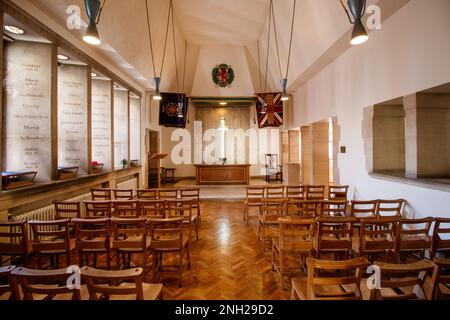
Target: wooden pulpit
{"x": 158, "y": 157}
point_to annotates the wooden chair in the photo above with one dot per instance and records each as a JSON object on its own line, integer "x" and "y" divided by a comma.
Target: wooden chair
{"x": 390, "y": 208}
{"x": 123, "y": 194}
{"x": 276, "y": 192}
{"x": 43, "y": 284}
{"x": 98, "y": 209}
{"x": 126, "y": 209}
{"x": 149, "y": 194}
{"x": 14, "y": 240}
{"x": 67, "y": 210}
{"x": 272, "y": 210}
{"x": 333, "y": 208}
{"x": 315, "y": 192}
{"x": 92, "y": 237}
{"x": 402, "y": 281}
{"x": 303, "y": 208}
{"x": 168, "y": 236}
{"x": 101, "y": 194}
{"x": 119, "y": 285}
{"x": 254, "y": 197}
{"x": 362, "y": 210}
{"x": 441, "y": 279}
{"x": 335, "y": 236}
{"x": 296, "y": 239}
{"x": 52, "y": 239}
{"x": 130, "y": 237}
{"x": 377, "y": 237}
{"x": 192, "y": 194}
{"x": 152, "y": 208}
{"x": 183, "y": 208}
{"x": 413, "y": 237}
{"x": 6, "y": 292}
{"x": 295, "y": 192}
{"x": 338, "y": 193}
{"x": 441, "y": 237}
{"x": 168, "y": 194}
{"x": 344, "y": 284}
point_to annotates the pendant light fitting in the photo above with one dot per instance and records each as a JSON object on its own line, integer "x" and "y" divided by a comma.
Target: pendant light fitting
{"x": 94, "y": 10}
{"x": 357, "y": 9}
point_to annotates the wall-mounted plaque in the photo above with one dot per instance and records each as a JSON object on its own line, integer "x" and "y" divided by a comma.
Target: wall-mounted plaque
{"x": 120, "y": 127}
{"x": 135, "y": 129}
{"x": 72, "y": 117}
{"x": 101, "y": 123}
{"x": 27, "y": 108}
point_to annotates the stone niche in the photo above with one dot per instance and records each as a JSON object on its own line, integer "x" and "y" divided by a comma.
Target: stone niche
{"x": 27, "y": 108}
{"x": 135, "y": 129}
{"x": 72, "y": 117}
{"x": 101, "y": 122}
{"x": 120, "y": 127}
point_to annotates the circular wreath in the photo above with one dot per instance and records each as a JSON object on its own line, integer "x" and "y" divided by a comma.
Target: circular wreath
{"x": 218, "y": 73}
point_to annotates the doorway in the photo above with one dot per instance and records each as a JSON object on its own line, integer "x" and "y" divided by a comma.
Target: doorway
{"x": 153, "y": 148}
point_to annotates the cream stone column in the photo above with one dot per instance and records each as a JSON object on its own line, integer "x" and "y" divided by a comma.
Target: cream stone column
{"x": 321, "y": 160}
{"x": 307, "y": 155}
{"x": 410, "y": 106}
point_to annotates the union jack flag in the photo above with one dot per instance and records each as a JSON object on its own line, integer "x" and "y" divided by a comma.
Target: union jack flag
{"x": 272, "y": 114}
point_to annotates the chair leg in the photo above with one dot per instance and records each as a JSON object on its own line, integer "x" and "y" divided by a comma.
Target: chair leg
{"x": 180, "y": 269}
{"x": 188, "y": 254}
{"x": 108, "y": 260}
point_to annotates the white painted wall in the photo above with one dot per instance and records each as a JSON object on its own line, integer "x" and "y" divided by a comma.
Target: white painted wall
{"x": 411, "y": 53}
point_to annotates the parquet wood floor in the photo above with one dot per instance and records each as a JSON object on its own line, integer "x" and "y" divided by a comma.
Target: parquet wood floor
{"x": 227, "y": 262}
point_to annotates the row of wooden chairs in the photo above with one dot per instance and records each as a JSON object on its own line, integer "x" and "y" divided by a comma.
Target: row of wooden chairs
{"x": 29, "y": 284}
{"x": 397, "y": 281}
{"x": 306, "y": 192}
{"x": 192, "y": 193}
{"x": 296, "y": 239}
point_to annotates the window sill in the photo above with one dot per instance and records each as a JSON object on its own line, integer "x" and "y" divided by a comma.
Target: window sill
{"x": 429, "y": 183}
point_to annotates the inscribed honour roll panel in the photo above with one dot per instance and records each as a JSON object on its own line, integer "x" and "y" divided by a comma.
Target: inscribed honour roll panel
{"x": 101, "y": 122}
{"x": 27, "y": 108}
{"x": 120, "y": 127}
{"x": 72, "y": 117}
{"x": 135, "y": 129}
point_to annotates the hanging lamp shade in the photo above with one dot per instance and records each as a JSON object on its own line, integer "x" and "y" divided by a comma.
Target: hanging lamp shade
{"x": 157, "y": 95}
{"x": 357, "y": 9}
{"x": 284, "y": 96}
{"x": 92, "y": 11}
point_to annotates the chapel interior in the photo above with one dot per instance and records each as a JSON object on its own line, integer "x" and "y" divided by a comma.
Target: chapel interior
{"x": 225, "y": 150}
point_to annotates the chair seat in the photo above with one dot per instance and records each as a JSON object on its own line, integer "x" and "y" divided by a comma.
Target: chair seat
{"x": 323, "y": 292}
{"x": 121, "y": 244}
{"x": 151, "y": 292}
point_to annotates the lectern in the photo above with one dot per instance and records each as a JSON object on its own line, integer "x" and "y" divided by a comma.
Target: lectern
{"x": 158, "y": 157}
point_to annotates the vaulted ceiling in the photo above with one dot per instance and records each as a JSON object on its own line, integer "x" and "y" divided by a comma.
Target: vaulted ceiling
{"x": 321, "y": 34}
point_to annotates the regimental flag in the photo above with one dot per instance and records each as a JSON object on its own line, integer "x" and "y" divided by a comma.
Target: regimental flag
{"x": 272, "y": 114}
{"x": 171, "y": 107}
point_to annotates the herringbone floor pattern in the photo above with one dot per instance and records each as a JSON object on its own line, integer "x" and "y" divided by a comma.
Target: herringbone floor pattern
{"x": 227, "y": 262}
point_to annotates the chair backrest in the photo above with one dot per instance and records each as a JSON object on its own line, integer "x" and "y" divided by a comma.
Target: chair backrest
{"x": 14, "y": 239}
{"x": 343, "y": 284}
{"x": 168, "y": 194}
{"x": 49, "y": 283}
{"x": 123, "y": 194}
{"x": 315, "y": 192}
{"x": 98, "y": 209}
{"x": 50, "y": 235}
{"x": 390, "y": 208}
{"x": 152, "y": 208}
{"x": 166, "y": 234}
{"x": 295, "y": 192}
{"x": 129, "y": 233}
{"x": 275, "y": 192}
{"x": 103, "y": 284}
{"x": 101, "y": 194}
{"x": 181, "y": 208}
{"x": 441, "y": 236}
{"x": 92, "y": 234}
{"x": 149, "y": 194}
{"x": 255, "y": 194}
{"x": 414, "y": 234}
{"x": 363, "y": 209}
{"x": 335, "y": 234}
{"x": 67, "y": 210}
{"x": 441, "y": 279}
{"x": 126, "y": 208}
{"x": 338, "y": 192}
{"x": 5, "y": 281}
{"x": 402, "y": 281}
{"x": 333, "y": 208}
{"x": 303, "y": 208}
{"x": 274, "y": 208}
{"x": 191, "y": 193}
{"x": 377, "y": 234}
{"x": 296, "y": 234}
